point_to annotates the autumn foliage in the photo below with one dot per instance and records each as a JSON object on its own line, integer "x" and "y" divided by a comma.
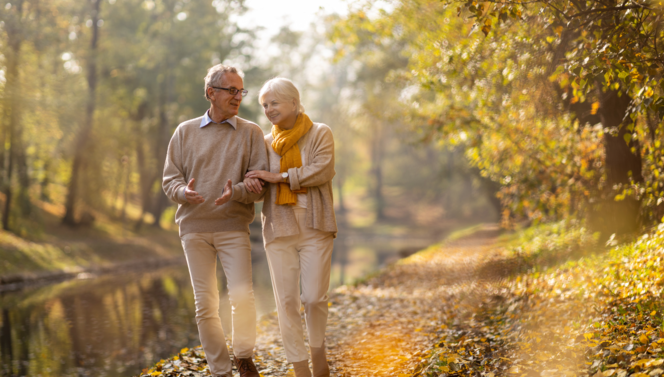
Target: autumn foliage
{"x": 557, "y": 101}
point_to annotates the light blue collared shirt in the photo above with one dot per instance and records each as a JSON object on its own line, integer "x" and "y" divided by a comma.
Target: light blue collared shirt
{"x": 207, "y": 120}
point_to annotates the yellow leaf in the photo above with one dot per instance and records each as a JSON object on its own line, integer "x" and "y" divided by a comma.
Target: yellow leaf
{"x": 595, "y": 107}
{"x": 644, "y": 339}
{"x": 588, "y": 335}
{"x": 640, "y": 362}
{"x": 653, "y": 313}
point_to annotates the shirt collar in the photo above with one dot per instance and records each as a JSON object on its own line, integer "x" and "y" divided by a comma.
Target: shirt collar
{"x": 207, "y": 120}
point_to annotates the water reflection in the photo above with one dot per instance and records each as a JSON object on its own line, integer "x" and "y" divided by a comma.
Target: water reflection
{"x": 116, "y": 325}
{"x": 107, "y": 326}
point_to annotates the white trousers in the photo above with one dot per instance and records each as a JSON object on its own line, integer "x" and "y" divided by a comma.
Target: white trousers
{"x": 234, "y": 251}
{"x": 306, "y": 256}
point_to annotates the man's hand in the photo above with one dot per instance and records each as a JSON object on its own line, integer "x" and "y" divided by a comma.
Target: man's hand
{"x": 225, "y": 194}
{"x": 254, "y": 185}
{"x": 191, "y": 195}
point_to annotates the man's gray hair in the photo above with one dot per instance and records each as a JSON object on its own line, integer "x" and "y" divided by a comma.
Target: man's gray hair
{"x": 215, "y": 73}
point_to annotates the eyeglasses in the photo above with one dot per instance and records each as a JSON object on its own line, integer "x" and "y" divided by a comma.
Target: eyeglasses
{"x": 233, "y": 91}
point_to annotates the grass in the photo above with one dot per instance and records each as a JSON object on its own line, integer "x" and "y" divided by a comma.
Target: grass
{"x": 58, "y": 248}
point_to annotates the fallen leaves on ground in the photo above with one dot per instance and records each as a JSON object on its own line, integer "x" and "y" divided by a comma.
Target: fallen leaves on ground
{"x": 470, "y": 308}
{"x": 599, "y": 315}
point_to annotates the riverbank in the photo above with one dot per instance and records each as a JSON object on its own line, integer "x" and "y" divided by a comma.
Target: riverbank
{"x": 58, "y": 252}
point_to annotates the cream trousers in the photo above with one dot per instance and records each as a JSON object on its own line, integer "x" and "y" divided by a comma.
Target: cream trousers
{"x": 306, "y": 257}
{"x": 234, "y": 251}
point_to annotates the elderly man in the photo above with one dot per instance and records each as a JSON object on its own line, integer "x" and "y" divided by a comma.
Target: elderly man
{"x": 204, "y": 173}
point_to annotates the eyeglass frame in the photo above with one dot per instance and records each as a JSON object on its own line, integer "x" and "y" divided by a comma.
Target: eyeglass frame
{"x": 230, "y": 91}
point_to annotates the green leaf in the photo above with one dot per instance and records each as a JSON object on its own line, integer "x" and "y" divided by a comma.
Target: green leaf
{"x": 628, "y": 138}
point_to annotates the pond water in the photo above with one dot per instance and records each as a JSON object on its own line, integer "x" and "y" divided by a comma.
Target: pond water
{"x": 118, "y": 324}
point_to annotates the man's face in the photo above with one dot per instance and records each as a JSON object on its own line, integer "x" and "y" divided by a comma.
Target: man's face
{"x": 226, "y": 104}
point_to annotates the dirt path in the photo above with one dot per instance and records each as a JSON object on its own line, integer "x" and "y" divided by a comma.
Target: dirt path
{"x": 382, "y": 327}
{"x": 449, "y": 311}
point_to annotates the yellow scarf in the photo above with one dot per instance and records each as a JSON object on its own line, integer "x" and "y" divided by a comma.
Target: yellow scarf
{"x": 285, "y": 144}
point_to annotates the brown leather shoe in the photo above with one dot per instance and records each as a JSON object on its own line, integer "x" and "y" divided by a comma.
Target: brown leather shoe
{"x": 246, "y": 367}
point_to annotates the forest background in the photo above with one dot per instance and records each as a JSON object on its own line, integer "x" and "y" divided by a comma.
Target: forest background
{"x": 534, "y": 111}
{"x": 93, "y": 90}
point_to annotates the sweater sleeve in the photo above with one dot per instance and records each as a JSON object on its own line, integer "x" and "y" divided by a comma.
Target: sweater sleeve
{"x": 321, "y": 168}
{"x": 174, "y": 181}
{"x": 257, "y": 161}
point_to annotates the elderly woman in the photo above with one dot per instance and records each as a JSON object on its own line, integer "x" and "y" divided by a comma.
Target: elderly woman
{"x": 298, "y": 221}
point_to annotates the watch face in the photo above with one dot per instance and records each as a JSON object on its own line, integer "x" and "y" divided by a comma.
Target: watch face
{"x": 284, "y": 175}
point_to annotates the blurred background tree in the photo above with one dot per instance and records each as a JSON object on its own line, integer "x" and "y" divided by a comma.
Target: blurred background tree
{"x": 527, "y": 112}
{"x": 558, "y": 102}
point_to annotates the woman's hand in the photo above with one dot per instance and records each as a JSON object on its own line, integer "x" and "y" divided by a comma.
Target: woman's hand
{"x": 264, "y": 175}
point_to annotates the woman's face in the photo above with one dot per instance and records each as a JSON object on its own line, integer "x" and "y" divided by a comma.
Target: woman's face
{"x": 279, "y": 112}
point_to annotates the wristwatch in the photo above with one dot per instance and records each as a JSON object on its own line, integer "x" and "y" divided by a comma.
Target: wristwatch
{"x": 284, "y": 176}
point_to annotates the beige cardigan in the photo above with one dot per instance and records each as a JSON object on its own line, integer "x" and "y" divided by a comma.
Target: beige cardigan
{"x": 279, "y": 220}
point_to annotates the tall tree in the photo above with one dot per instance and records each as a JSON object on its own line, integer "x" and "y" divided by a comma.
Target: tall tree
{"x": 84, "y": 134}
{"x": 12, "y": 103}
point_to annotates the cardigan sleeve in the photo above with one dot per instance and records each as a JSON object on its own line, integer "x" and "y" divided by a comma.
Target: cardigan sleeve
{"x": 321, "y": 167}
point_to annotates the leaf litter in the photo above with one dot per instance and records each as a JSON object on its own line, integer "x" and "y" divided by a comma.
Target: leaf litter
{"x": 472, "y": 308}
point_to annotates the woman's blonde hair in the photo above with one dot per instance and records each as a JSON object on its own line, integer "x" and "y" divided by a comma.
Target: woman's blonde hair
{"x": 284, "y": 90}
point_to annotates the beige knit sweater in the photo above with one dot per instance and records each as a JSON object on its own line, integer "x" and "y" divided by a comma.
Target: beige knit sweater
{"x": 212, "y": 155}
{"x": 317, "y": 146}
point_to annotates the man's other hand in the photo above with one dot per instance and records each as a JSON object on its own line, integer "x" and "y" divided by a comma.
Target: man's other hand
{"x": 226, "y": 194}
{"x": 191, "y": 195}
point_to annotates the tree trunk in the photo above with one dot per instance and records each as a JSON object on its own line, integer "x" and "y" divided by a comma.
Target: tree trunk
{"x": 44, "y": 194}
{"x": 86, "y": 129}
{"x": 12, "y": 106}
{"x": 377, "y": 171}
{"x": 126, "y": 163}
{"x": 146, "y": 177}
{"x": 623, "y": 165}
{"x": 163, "y": 136}
{"x": 23, "y": 195}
